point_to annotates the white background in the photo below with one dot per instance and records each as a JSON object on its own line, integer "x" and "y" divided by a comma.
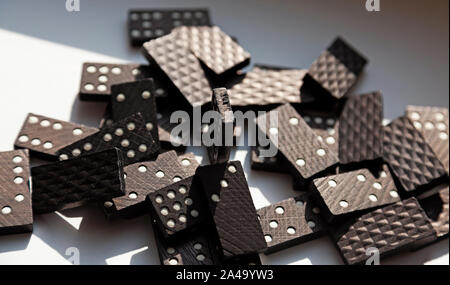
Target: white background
{"x": 42, "y": 48}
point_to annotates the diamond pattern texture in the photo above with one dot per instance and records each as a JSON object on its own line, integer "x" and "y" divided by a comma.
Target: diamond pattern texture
{"x": 290, "y": 222}
{"x": 175, "y": 59}
{"x": 433, "y": 123}
{"x": 357, "y": 190}
{"x": 410, "y": 157}
{"x": 232, "y": 208}
{"x": 390, "y": 229}
{"x": 72, "y": 183}
{"x": 332, "y": 75}
{"x": 264, "y": 86}
{"x": 129, "y": 135}
{"x": 360, "y": 129}
{"x": 45, "y": 136}
{"x": 218, "y": 51}
{"x": 305, "y": 153}
{"x": 15, "y": 193}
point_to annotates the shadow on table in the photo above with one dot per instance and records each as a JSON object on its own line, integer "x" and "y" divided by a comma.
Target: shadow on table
{"x": 87, "y": 113}
{"x": 14, "y": 242}
{"x": 146, "y": 257}
{"x": 96, "y": 238}
{"x": 306, "y": 254}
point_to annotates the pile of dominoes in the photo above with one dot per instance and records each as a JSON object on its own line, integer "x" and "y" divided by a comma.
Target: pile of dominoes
{"x": 365, "y": 182}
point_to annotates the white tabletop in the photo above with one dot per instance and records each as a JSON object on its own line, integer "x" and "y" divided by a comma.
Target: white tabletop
{"x": 42, "y": 48}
